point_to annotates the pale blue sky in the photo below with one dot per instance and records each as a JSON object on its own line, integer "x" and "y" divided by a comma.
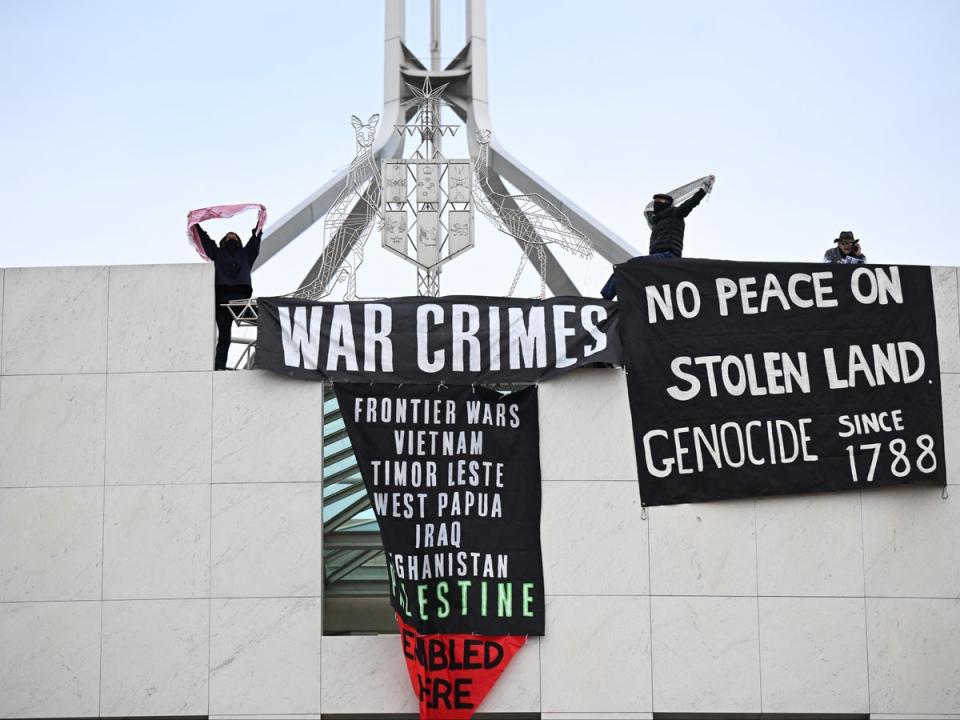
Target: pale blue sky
{"x": 119, "y": 117}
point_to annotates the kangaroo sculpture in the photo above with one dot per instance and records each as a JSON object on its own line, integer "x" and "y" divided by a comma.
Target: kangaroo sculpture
{"x": 530, "y": 218}
{"x": 348, "y": 223}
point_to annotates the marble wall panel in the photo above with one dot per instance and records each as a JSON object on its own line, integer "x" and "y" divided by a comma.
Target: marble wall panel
{"x": 946, "y": 305}
{"x": 914, "y": 662}
{"x": 706, "y": 654}
{"x": 159, "y": 428}
{"x": 810, "y": 545}
{"x": 155, "y": 655}
{"x": 266, "y": 428}
{"x": 156, "y": 542}
{"x": 54, "y": 321}
{"x": 2, "y": 271}
{"x": 579, "y": 525}
{"x": 587, "y": 412}
{"x": 161, "y": 318}
{"x": 52, "y": 430}
{"x": 267, "y": 540}
{"x": 914, "y": 716}
{"x": 911, "y": 536}
{"x": 49, "y": 659}
{"x": 595, "y": 656}
{"x": 813, "y": 655}
{"x": 366, "y": 675}
{"x": 703, "y": 549}
{"x": 50, "y": 541}
{"x": 950, "y": 393}
{"x": 518, "y": 689}
{"x": 596, "y": 716}
{"x": 265, "y": 656}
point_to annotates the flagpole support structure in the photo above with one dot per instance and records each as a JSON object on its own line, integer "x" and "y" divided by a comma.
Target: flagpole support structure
{"x": 350, "y": 204}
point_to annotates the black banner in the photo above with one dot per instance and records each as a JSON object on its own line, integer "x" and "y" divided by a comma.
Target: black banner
{"x": 453, "y": 475}
{"x": 454, "y": 340}
{"x": 767, "y": 378}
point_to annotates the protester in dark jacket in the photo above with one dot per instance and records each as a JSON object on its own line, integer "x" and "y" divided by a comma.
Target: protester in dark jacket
{"x": 667, "y": 227}
{"x": 667, "y": 224}
{"x": 233, "y": 264}
{"x": 847, "y": 251}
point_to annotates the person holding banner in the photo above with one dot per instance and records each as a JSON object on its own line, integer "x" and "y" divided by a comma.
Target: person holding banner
{"x": 233, "y": 263}
{"x": 668, "y": 223}
{"x": 847, "y": 251}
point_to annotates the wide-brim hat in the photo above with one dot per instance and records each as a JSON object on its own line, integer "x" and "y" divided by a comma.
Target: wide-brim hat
{"x": 846, "y": 236}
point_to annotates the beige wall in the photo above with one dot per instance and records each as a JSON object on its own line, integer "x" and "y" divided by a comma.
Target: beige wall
{"x": 160, "y": 544}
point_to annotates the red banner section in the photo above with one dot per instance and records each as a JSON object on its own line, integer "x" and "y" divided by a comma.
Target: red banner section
{"x": 452, "y": 673}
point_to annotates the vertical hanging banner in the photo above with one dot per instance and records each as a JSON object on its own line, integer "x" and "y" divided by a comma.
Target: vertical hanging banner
{"x": 750, "y": 379}
{"x": 453, "y": 476}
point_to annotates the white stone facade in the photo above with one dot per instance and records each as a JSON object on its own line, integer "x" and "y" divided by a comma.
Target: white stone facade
{"x": 161, "y": 544}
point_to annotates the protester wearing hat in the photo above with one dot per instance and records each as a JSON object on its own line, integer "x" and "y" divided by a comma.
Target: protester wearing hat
{"x": 847, "y": 250}
{"x": 667, "y": 227}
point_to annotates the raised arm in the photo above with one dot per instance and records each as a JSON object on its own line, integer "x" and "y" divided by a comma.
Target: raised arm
{"x": 209, "y": 246}
{"x": 685, "y": 208}
{"x": 253, "y": 245}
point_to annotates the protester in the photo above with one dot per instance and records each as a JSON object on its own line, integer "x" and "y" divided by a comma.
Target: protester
{"x": 847, "y": 251}
{"x": 667, "y": 226}
{"x": 232, "y": 263}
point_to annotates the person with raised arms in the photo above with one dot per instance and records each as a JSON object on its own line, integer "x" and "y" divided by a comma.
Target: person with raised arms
{"x": 233, "y": 262}
{"x": 667, "y": 222}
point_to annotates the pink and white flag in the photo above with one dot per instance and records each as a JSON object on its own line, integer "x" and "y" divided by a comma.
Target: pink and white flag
{"x": 219, "y": 211}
